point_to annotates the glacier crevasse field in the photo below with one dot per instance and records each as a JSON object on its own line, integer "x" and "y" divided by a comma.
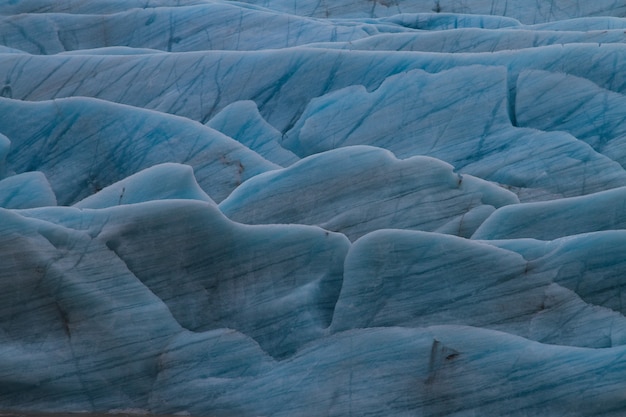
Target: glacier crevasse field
{"x": 313, "y": 208}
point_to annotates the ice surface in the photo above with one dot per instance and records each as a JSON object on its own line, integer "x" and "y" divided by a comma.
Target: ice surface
{"x": 429, "y": 278}
{"x": 243, "y": 122}
{"x": 552, "y": 219}
{"x": 279, "y": 208}
{"x": 277, "y": 283}
{"x": 464, "y": 123}
{"x": 359, "y": 189}
{"x": 160, "y": 182}
{"x": 27, "y": 190}
{"x": 213, "y": 25}
{"x": 105, "y": 143}
{"x": 474, "y": 39}
{"x": 442, "y": 370}
{"x": 536, "y": 12}
{"x": 577, "y": 106}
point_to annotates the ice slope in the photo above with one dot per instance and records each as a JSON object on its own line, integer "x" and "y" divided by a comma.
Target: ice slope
{"x": 476, "y": 39}
{"x": 553, "y": 219}
{"x": 276, "y": 283}
{"x": 242, "y": 121}
{"x": 428, "y": 278}
{"x": 27, "y": 190}
{"x": 197, "y": 85}
{"x": 359, "y": 189}
{"x": 274, "y": 208}
{"x": 213, "y": 25}
{"x": 167, "y": 181}
{"x": 535, "y": 12}
{"x": 469, "y": 128}
{"x": 105, "y": 142}
{"x": 552, "y": 101}
{"x": 281, "y": 82}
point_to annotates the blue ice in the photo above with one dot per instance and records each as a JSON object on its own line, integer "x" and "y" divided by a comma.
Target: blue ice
{"x": 281, "y": 208}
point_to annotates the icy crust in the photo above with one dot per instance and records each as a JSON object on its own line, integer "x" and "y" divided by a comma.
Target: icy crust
{"x": 105, "y": 142}
{"x": 359, "y": 189}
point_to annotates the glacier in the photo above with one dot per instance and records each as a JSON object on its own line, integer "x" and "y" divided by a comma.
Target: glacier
{"x": 312, "y": 208}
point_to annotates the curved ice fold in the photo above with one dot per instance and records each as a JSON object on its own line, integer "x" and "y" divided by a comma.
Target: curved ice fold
{"x": 415, "y": 279}
{"x": 439, "y": 370}
{"x": 159, "y": 182}
{"x": 356, "y": 190}
{"x": 106, "y": 142}
{"x": 27, "y": 190}
{"x": 537, "y": 13}
{"x": 241, "y": 121}
{"x": 553, "y": 219}
{"x": 553, "y": 101}
{"x": 463, "y": 123}
{"x": 278, "y": 284}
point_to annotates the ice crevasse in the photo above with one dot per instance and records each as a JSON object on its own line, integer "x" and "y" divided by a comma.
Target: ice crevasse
{"x": 281, "y": 208}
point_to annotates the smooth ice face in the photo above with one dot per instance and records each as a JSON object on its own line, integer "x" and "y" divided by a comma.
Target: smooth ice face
{"x": 356, "y": 190}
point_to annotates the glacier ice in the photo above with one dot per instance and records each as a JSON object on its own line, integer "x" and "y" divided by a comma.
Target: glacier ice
{"x": 429, "y": 278}
{"x": 359, "y": 189}
{"x": 27, "y": 190}
{"x": 106, "y": 142}
{"x": 167, "y": 181}
{"x": 281, "y": 208}
{"x": 549, "y": 220}
{"x": 242, "y": 121}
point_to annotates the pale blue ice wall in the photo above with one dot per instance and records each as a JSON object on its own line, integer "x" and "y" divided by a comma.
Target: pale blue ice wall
{"x": 286, "y": 208}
